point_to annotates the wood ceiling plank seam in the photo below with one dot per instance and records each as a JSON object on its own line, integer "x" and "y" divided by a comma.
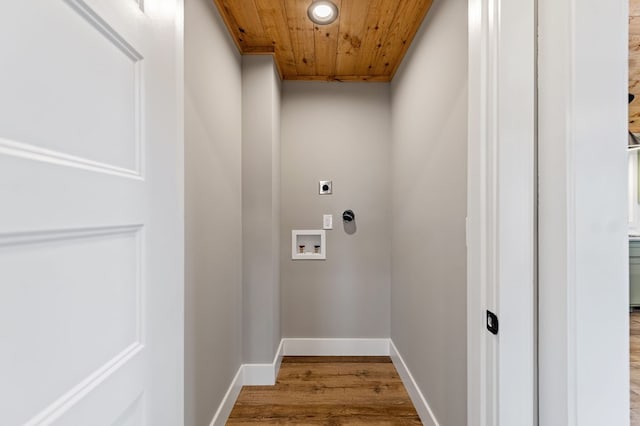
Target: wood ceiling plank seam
{"x": 244, "y": 25}
{"x": 325, "y": 42}
{"x": 248, "y": 27}
{"x": 411, "y": 35}
{"x": 302, "y": 31}
{"x": 229, "y": 21}
{"x": 381, "y": 61}
{"x": 407, "y": 17}
{"x": 401, "y": 35}
{"x": 634, "y": 25}
{"x": 347, "y": 78}
{"x": 326, "y": 47}
{"x": 381, "y": 14}
{"x": 350, "y": 38}
{"x": 634, "y": 43}
{"x": 259, "y": 50}
{"x": 315, "y": 51}
{"x": 634, "y": 119}
{"x": 275, "y": 25}
{"x": 341, "y": 19}
{"x": 346, "y": 50}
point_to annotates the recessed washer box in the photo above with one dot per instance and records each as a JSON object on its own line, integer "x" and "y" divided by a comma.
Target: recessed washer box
{"x": 308, "y": 244}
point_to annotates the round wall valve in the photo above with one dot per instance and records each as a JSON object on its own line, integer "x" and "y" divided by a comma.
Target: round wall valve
{"x": 348, "y": 216}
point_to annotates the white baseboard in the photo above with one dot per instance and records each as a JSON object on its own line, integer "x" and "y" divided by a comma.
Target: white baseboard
{"x": 266, "y": 374}
{"x": 258, "y": 375}
{"x": 418, "y": 399}
{"x": 247, "y": 375}
{"x": 263, "y": 374}
{"x": 278, "y": 360}
{"x": 229, "y": 400}
{"x": 336, "y": 347}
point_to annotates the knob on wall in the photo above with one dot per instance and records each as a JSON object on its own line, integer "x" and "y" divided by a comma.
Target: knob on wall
{"x": 348, "y": 216}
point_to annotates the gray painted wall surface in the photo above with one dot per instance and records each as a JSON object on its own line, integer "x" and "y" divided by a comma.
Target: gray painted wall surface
{"x": 340, "y": 132}
{"x": 260, "y": 208}
{"x": 428, "y": 296}
{"x": 213, "y": 298}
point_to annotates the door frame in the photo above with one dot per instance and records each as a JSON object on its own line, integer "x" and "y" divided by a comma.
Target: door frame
{"x": 501, "y": 218}
{"x": 583, "y": 322}
{"x": 579, "y": 236}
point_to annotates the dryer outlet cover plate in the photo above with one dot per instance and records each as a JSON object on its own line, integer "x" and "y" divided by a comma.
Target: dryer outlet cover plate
{"x": 325, "y": 187}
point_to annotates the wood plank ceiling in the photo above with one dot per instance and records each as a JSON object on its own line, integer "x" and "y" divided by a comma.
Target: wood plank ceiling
{"x": 366, "y": 43}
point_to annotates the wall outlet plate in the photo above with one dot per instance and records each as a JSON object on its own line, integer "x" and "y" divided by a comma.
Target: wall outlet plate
{"x": 325, "y": 187}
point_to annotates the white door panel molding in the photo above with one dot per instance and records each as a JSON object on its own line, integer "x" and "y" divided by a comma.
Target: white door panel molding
{"x": 91, "y": 268}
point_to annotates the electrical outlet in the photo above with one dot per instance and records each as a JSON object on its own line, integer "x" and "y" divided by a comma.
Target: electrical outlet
{"x": 325, "y": 187}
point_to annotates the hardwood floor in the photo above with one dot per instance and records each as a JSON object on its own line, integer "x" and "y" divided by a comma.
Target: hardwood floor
{"x": 634, "y": 343}
{"x": 328, "y": 391}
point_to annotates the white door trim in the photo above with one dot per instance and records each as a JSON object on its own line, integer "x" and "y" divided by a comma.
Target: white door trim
{"x": 501, "y": 212}
{"x": 583, "y": 273}
{"x": 180, "y": 178}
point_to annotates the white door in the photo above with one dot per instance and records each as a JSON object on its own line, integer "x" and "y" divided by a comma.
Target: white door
{"x": 90, "y": 219}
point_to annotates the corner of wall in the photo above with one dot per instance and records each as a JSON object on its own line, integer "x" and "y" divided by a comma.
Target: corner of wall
{"x": 260, "y": 212}
{"x": 213, "y": 272}
{"x": 429, "y": 169}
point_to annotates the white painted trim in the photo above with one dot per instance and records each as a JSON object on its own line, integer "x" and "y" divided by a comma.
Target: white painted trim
{"x": 336, "y": 347}
{"x": 67, "y": 401}
{"x": 34, "y": 153}
{"x": 180, "y": 159}
{"x": 266, "y": 374}
{"x": 418, "y": 399}
{"x": 295, "y": 233}
{"x": 501, "y": 212}
{"x": 278, "y": 359}
{"x": 263, "y": 374}
{"x": 229, "y": 400}
{"x": 583, "y": 266}
{"x": 247, "y": 375}
{"x": 258, "y": 375}
{"x": 479, "y": 392}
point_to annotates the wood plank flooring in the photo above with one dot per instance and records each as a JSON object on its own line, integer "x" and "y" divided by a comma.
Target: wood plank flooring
{"x": 634, "y": 343}
{"x": 328, "y": 391}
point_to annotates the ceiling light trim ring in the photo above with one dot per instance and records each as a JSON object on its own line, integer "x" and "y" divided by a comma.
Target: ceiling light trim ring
{"x": 322, "y": 12}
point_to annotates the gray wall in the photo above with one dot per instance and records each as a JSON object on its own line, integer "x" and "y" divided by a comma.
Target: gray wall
{"x": 339, "y": 132}
{"x": 260, "y": 208}
{"x": 428, "y": 290}
{"x": 213, "y": 298}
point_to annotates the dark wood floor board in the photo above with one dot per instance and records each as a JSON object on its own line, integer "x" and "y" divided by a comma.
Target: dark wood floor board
{"x": 311, "y": 412}
{"x": 353, "y": 373}
{"x": 301, "y": 396}
{"x": 334, "y": 420}
{"x": 328, "y": 391}
{"x": 336, "y": 359}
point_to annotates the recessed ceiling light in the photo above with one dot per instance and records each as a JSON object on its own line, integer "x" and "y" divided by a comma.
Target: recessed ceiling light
{"x": 322, "y": 12}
